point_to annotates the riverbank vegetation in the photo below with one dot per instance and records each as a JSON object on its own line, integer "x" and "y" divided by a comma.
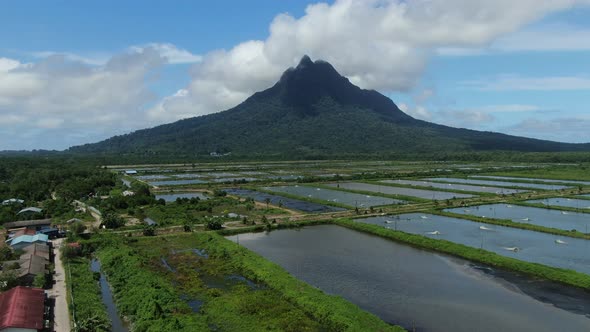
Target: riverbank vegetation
{"x": 87, "y": 308}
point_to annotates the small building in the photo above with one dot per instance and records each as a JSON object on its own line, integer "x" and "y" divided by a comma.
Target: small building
{"x": 12, "y": 201}
{"x": 16, "y": 232}
{"x": 22, "y": 309}
{"x": 130, "y": 172}
{"x": 150, "y": 222}
{"x": 127, "y": 193}
{"x": 38, "y": 249}
{"x": 26, "y": 240}
{"x": 52, "y": 233}
{"x": 30, "y": 266}
{"x": 33, "y": 224}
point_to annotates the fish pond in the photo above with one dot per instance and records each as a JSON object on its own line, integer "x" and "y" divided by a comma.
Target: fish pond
{"x": 532, "y": 215}
{"x": 390, "y": 190}
{"x": 511, "y": 178}
{"x": 567, "y": 202}
{"x": 341, "y": 197}
{"x": 289, "y": 203}
{"x": 502, "y": 183}
{"x": 453, "y": 186}
{"x": 530, "y": 246}
{"x": 420, "y": 290}
{"x": 175, "y": 182}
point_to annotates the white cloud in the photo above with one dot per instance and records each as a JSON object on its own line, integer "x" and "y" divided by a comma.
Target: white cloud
{"x": 170, "y": 52}
{"x": 519, "y": 83}
{"x": 377, "y": 44}
{"x": 93, "y": 59}
{"x": 417, "y": 112}
{"x": 8, "y": 64}
{"x": 56, "y": 98}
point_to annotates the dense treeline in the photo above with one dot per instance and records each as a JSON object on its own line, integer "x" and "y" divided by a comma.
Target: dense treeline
{"x": 49, "y": 183}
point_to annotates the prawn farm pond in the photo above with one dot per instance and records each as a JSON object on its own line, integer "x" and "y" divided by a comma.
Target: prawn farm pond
{"x": 530, "y": 246}
{"x": 418, "y": 289}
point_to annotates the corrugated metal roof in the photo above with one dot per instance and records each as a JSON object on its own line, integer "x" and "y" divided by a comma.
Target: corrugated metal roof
{"x": 31, "y": 264}
{"x": 12, "y": 201}
{"x": 27, "y": 223}
{"x": 29, "y": 239}
{"x": 30, "y": 209}
{"x": 37, "y": 249}
{"x": 22, "y": 307}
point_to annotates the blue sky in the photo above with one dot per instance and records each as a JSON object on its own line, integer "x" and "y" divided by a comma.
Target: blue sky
{"x": 74, "y": 72}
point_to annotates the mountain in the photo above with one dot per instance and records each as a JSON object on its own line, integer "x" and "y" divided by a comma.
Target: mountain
{"x": 313, "y": 110}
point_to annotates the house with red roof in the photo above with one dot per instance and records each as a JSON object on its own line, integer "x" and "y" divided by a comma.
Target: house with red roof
{"x": 22, "y": 310}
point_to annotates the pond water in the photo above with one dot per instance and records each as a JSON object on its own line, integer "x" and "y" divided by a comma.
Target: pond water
{"x": 453, "y": 186}
{"x": 288, "y": 203}
{"x": 532, "y": 246}
{"x": 152, "y": 177}
{"x": 561, "y": 201}
{"x": 173, "y": 196}
{"x": 502, "y": 183}
{"x": 175, "y": 182}
{"x": 350, "y": 199}
{"x": 421, "y": 193}
{"x": 108, "y": 300}
{"x": 510, "y": 178}
{"x": 532, "y": 215}
{"x": 419, "y": 289}
{"x": 187, "y": 175}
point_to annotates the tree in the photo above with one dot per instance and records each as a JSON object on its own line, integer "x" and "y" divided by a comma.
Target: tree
{"x": 214, "y": 224}
{"x": 39, "y": 281}
{"x": 112, "y": 220}
{"x": 149, "y": 230}
{"x": 77, "y": 228}
{"x": 267, "y": 201}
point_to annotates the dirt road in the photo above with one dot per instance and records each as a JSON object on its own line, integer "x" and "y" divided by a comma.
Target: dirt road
{"x": 58, "y": 292}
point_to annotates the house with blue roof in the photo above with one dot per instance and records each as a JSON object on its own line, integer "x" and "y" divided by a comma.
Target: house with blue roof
{"x": 25, "y": 240}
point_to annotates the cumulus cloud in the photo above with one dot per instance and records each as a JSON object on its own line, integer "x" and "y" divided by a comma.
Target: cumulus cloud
{"x": 58, "y": 97}
{"x": 417, "y": 112}
{"x": 171, "y": 53}
{"x": 377, "y": 44}
{"x": 92, "y": 59}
